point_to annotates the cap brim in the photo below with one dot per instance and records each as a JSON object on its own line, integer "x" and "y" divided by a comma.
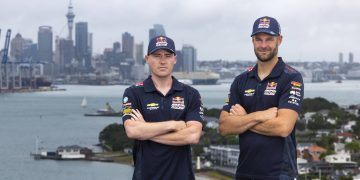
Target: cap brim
{"x": 164, "y": 48}
{"x": 267, "y": 31}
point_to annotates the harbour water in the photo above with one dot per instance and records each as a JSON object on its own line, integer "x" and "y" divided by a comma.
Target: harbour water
{"x": 57, "y": 119}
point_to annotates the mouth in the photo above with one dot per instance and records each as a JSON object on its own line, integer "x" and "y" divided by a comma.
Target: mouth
{"x": 162, "y": 68}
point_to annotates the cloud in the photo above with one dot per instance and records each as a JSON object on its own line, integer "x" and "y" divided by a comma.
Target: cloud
{"x": 313, "y": 30}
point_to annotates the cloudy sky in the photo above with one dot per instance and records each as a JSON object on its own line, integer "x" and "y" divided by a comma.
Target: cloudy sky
{"x": 313, "y": 30}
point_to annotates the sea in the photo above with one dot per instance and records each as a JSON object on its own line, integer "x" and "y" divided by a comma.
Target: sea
{"x": 57, "y": 118}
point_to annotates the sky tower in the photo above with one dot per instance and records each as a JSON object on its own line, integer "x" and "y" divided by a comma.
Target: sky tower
{"x": 70, "y": 19}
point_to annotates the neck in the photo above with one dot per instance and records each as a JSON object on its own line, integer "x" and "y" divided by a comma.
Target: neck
{"x": 162, "y": 84}
{"x": 265, "y": 68}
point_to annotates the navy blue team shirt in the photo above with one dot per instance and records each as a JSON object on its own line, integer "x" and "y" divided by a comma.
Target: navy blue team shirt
{"x": 154, "y": 160}
{"x": 267, "y": 157}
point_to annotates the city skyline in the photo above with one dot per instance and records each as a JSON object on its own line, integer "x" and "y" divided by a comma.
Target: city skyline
{"x": 313, "y": 31}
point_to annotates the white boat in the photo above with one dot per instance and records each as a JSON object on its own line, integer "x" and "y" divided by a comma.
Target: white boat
{"x": 84, "y": 102}
{"x": 198, "y": 78}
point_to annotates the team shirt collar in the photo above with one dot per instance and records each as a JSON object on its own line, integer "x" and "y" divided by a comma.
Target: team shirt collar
{"x": 150, "y": 87}
{"x": 276, "y": 72}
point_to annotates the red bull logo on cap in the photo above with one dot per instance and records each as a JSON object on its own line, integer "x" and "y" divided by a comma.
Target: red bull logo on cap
{"x": 161, "y": 41}
{"x": 264, "y": 23}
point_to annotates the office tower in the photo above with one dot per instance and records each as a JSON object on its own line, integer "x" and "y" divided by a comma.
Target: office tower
{"x": 128, "y": 45}
{"x": 90, "y": 43}
{"x": 17, "y": 48}
{"x": 138, "y": 69}
{"x": 30, "y": 50}
{"x": 189, "y": 58}
{"x": 70, "y": 20}
{"x": 179, "y": 66}
{"x": 64, "y": 55}
{"x": 116, "y": 47}
{"x": 139, "y": 53}
{"x": 156, "y": 31}
{"x": 341, "y": 58}
{"x": 351, "y": 58}
{"x": 82, "y": 53}
{"x": 45, "y": 44}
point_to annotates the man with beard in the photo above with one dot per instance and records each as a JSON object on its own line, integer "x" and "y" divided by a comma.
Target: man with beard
{"x": 262, "y": 108}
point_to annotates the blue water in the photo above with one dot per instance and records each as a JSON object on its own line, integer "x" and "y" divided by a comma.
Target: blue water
{"x": 57, "y": 119}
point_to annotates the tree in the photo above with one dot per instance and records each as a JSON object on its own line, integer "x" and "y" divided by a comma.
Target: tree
{"x": 327, "y": 142}
{"x": 317, "y": 104}
{"x": 114, "y": 136}
{"x": 300, "y": 126}
{"x": 319, "y": 122}
{"x": 213, "y": 112}
{"x": 353, "y": 147}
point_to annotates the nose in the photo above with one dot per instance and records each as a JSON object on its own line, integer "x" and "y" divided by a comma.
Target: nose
{"x": 263, "y": 44}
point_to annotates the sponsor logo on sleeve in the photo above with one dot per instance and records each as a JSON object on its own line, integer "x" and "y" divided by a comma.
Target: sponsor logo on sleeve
{"x": 293, "y": 101}
{"x": 125, "y": 100}
{"x": 126, "y": 106}
{"x": 139, "y": 84}
{"x": 296, "y": 84}
{"x": 227, "y": 100}
{"x": 296, "y": 93}
{"x": 201, "y": 112}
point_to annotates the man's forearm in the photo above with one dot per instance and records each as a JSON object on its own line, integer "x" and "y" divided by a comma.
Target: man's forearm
{"x": 188, "y": 135}
{"x": 282, "y": 125}
{"x": 268, "y": 128}
{"x": 236, "y": 124}
{"x": 146, "y": 130}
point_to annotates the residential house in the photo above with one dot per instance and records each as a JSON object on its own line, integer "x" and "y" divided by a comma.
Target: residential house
{"x": 315, "y": 151}
{"x": 344, "y": 137}
{"x": 225, "y": 155}
{"x": 72, "y": 152}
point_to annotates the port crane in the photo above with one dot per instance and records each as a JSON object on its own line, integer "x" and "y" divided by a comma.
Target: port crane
{"x": 4, "y": 77}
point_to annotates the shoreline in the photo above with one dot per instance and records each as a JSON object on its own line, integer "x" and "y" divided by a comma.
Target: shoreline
{"x": 126, "y": 159}
{"x": 26, "y": 90}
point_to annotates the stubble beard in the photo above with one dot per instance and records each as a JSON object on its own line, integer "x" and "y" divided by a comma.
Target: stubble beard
{"x": 266, "y": 58}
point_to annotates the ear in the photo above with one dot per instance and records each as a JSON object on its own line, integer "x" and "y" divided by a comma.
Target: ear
{"x": 280, "y": 39}
{"x": 146, "y": 58}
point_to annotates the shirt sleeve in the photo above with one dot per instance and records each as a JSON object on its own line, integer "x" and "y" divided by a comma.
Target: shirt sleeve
{"x": 195, "y": 111}
{"x": 293, "y": 94}
{"x": 233, "y": 96}
{"x": 129, "y": 103}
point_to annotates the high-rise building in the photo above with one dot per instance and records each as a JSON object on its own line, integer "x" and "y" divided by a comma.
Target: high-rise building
{"x": 351, "y": 58}
{"x": 189, "y": 58}
{"x": 116, "y": 47}
{"x": 139, "y": 53}
{"x": 82, "y": 53}
{"x": 156, "y": 31}
{"x": 128, "y": 45}
{"x": 90, "y": 42}
{"x": 179, "y": 66}
{"x": 17, "y": 48}
{"x": 64, "y": 55}
{"x": 45, "y": 45}
{"x": 70, "y": 20}
{"x": 23, "y": 49}
{"x": 341, "y": 58}
{"x": 30, "y": 50}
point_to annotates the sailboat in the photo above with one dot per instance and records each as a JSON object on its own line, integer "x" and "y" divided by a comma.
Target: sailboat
{"x": 84, "y": 102}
